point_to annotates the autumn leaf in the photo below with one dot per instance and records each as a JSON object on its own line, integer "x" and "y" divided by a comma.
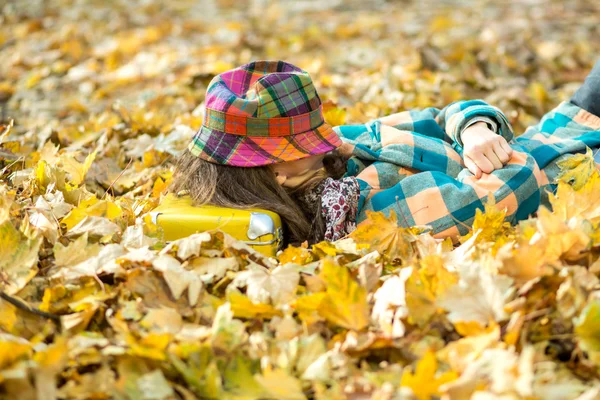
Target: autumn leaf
{"x": 159, "y": 187}
{"x": 280, "y": 385}
{"x": 526, "y": 263}
{"x": 187, "y": 247}
{"x": 390, "y": 304}
{"x": 178, "y": 278}
{"x": 92, "y": 207}
{"x": 240, "y": 382}
{"x": 424, "y": 381}
{"x": 18, "y": 258}
{"x": 584, "y": 203}
{"x": 243, "y": 307}
{"x": 308, "y": 307}
{"x": 277, "y": 286}
{"x": 154, "y": 385}
{"x": 384, "y": 235}
{"x": 426, "y": 284}
{"x": 587, "y": 328}
{"x": 560, "y": 239}
{"x": 296, "y": 255}
{"x": 13, "y": 348}
{"x": 227, "y": 332}
{"x": 345, "y": 301}
{"x": 576, "y": 169}
{"x": 478, "y": 296}
{"x": 312, "y": 348}
{"x": 491, "y": 225}
{"x": 51, "y": 360}
{"x": 502, "y": 371}
{"x": 461, "y": 353}
{"x": 75, "y": 252}
{"x": 151, "y": 346}
{"x": 103, "y": 262}
{"x": 333, "y": 115}
{"x": 74, "y": 168}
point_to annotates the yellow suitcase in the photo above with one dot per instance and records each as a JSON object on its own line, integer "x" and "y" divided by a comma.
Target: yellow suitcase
{"x": 178, "y": 218}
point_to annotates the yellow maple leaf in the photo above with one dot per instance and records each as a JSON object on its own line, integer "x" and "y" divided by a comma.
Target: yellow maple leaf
{"x": 12, "y": 348}
{"x": 243, "y": 307}
{"x": 345, "y": 302}
{"x": 160, "y": 186}
{"x": 279, "y": 385}
{"x": 227, "y": 333}
{"x": 308, "y": 306}
{"x": 384, "y": 235}
{"x": 296, "y": 255}
{"x": 92, "y": 207}
{"x": 584, "y": 203}
{"x": 151, "y": 346}
{"x": 587, "y": 328}
{"x": 239, "y": 381}
{"x": 75, "y": 252}
{"x": 74, "y": 168}
{"x": 57, "y": 298}
{"x": 470, "y": 328}
{"x": 277, "y": 285}
{"x": 423, "y": 381}
{"x": 46, "y": 174}
{"x": 563, "y": 241}
{"x": 459, "y": 354}
{"x": 491, "y": 225}
{"x": 576, "y": 169}
{"x": 18, "y": 257}
{"x": 333, "y": 115}
{"x": 53, "y": 357}
{"x": 8, "y": 316}
{"x": 427, "y": 282}
{"x": 525, "y": 263}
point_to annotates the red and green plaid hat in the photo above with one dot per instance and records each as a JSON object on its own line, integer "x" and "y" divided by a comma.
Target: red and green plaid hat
{"x": 262, "y": 113}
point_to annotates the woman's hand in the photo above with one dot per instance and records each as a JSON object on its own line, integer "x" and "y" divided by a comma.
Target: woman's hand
{"x": 484, "y": 150}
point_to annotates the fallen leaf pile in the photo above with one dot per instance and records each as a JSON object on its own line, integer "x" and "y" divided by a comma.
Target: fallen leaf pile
{"x": 98, "y": 98}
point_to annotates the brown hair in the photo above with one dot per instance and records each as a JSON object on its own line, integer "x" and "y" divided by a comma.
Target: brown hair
{"x": 256, "y": 187}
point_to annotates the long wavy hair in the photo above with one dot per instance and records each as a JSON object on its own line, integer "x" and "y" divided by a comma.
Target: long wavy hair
{"x": 244, "y": 188}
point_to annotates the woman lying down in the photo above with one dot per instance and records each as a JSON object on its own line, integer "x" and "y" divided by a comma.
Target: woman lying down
{"x": 264, "y": 144}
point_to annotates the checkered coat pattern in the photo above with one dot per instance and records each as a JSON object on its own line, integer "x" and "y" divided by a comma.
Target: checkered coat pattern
{"x": 418, "y": 171}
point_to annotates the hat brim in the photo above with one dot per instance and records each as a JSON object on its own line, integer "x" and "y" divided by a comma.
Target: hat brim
{"x": 256, "y": 151}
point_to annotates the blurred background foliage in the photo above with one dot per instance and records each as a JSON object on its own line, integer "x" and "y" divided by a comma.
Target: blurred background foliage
{"x": 65, "y": 61}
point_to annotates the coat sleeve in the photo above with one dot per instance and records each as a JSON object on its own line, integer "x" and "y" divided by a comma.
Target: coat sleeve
{"x": 377, "y": 144}
{"x": 448, "y": 204}
{"x": 567, "y": 129}
{"x": 448, "y": 123}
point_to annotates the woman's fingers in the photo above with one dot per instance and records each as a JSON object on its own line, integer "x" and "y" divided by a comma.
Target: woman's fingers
{"x": 501, "y": 153}
{"x": 506, "y": 148}
{"x": 482, "y": 162}
{"x": 471, "y": 166}
{"x": 487, "y": 154}
{"x": 493, "y": 159}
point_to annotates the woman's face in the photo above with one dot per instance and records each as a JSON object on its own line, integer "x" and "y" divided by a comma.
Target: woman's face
{"x": 293, "y": 174}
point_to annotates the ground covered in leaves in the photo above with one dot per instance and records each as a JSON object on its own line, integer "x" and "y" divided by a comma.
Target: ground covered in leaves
{"x": 98, "y": 97}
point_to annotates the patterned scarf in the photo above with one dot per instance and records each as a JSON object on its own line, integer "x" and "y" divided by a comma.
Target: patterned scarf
{"x": 339, "y": 205}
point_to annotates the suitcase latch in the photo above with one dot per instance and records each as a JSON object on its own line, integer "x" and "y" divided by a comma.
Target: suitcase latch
{"x": 260, "y": 224}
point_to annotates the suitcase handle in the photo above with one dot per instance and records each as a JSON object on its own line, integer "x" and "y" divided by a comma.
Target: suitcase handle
{"x": 260, "y": 225}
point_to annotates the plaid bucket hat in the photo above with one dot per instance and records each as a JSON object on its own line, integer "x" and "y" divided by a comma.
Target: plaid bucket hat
{"x": 262, "y": 113}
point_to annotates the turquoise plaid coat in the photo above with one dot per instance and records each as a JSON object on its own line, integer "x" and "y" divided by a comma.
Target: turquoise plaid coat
{"x": 418, "y": 171}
